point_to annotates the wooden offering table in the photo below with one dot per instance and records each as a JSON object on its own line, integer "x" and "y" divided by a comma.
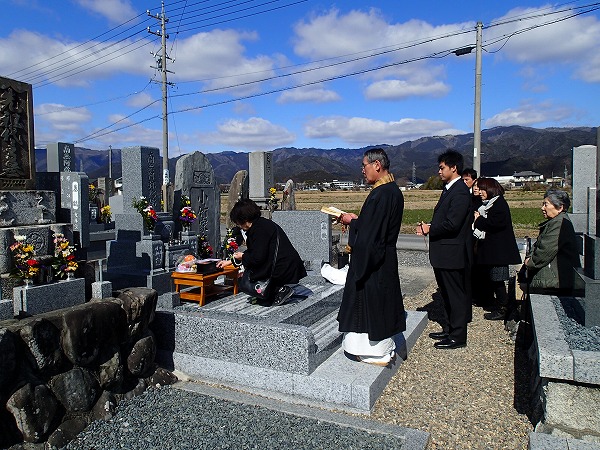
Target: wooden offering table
{"x": 203, "y": 285}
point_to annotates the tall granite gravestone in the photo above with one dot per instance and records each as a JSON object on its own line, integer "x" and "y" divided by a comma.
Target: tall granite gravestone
{"x": 60, "y": 157}
{"x": 194, "y": 178}
{"x": 583, "y": 214}
{"x": 74, "y": 188}
{"x": 23, "y": 211}
{"x": 586, "y": 169}
{"x": 309, "y": 233}
{"x": 238, "y": 190}
{"x": 137, "y": 256}
{"x": 260, "y": 171}
{"x": 17, "y": 153}
{"x": 288, "y": 203}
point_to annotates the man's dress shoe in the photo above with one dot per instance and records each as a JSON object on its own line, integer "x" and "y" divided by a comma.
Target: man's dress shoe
{"x": 449, "y": 344}
{"x": 438, "y": 335}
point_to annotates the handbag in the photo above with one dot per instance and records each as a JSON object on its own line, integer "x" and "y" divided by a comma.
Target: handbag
{"x": 259, "y": 288}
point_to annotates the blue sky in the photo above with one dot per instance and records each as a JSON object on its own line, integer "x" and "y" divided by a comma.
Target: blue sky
{"x": 305, "y": 74}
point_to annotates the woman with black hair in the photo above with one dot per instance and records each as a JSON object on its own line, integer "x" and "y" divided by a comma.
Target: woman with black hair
{"x": 263, "y": 238}
{"x": 496, "y": 243}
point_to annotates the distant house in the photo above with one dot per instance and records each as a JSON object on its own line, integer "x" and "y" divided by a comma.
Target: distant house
{"x": 527, "y": 176}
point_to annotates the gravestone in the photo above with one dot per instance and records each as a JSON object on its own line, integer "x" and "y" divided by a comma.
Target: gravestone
{"x": 194, "y": 178}
{"x": 288, "y": 203}
{"x": 585, "y": 186}
{"x": 583, "y": 213}
{"x": 260, "y": 172}
{"x": 17, "y": 152}
{"x": 105, "y": 185}
{"x": 74, "y": 187}
{"x": 309, "y": 233}
{"x": 238, "y": 190}
{"x": 60, "y": 157}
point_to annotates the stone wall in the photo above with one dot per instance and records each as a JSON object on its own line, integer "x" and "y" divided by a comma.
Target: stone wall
{"x": 63, "y": 369}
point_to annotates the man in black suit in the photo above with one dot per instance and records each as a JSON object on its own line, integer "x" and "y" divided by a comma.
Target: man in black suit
{"x": 449, "y": 249}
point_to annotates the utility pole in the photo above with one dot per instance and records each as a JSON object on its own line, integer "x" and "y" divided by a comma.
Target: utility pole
{"x": 161, "y": 64}
{"x": 477, "y": 120}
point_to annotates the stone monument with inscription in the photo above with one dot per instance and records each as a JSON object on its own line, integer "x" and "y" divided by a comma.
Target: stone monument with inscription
{"x": 194, "y": 178}
{"x": 27, "y": 211}
{"x": 260, "y": 172}
{"x": 238, "y": 190}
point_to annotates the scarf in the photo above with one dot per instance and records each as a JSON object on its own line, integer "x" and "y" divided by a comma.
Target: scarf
{"x": 483, "y": 211}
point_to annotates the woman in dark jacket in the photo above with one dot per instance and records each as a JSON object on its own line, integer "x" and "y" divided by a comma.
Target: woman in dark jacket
{"x": 550, "y": 265}
{"x": 496, "y": 243}
{"x": 261, "y": 241}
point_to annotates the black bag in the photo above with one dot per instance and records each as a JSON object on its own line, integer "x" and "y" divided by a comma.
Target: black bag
{"x": 259, "y": 288}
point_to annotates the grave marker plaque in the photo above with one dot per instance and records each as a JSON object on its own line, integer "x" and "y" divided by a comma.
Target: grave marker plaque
{"x": 260, "y": 169}
{"x": 60, "y": 157}
{"x": 17, "y": 157}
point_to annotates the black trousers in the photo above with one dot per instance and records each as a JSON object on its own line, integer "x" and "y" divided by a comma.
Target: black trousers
{"x": 456, "y": 302}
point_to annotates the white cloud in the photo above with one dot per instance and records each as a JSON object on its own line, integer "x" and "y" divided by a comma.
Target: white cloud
{"x": 573, "y": 41}
{"x": 318, "y": 95}
{"x": 400, "y": 89}
{"x": 252, "y": 134}
{"x": 116, "y": 11}
{"x": 217, "y": 59}
{"x": 73, "y": 65}
{"x": 364, "y": 131}
{"x": 528, "y": 114}
{"x": 142, "y": 99}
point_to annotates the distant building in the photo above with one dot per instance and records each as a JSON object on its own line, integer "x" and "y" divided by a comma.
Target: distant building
{"x": 527, "y": 176}
{"x": 342, "y": 184}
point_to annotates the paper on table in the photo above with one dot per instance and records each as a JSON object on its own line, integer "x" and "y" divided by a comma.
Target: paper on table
{"x": 332, "y": 211}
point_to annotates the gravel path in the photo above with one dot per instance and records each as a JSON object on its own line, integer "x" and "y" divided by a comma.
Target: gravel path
{"x": 466, "y": 398}
{"x": 470, "y": 398}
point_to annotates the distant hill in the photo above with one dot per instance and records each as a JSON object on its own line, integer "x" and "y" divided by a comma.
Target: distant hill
{"x": 505, "y": 150}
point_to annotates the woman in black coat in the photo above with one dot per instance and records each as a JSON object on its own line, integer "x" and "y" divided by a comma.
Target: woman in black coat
{"x": 496, "y": 243}
{"x": 261, "y": 241}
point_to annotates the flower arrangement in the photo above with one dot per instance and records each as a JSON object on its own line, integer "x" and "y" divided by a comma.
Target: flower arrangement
{"x": 105, "y": 214}
{"x": 272, "y": 201}
{"x": 205, "y": 250}
{"x": 64, "y": 256}
{"x": 230, "y": 246}
{"x": 147, "y": 211}
{"x": 187, "y": 215}
{"x": 25, "y": 266}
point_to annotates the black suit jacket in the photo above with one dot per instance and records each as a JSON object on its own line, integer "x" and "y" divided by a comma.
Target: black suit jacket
{"x": 449, "y": 243}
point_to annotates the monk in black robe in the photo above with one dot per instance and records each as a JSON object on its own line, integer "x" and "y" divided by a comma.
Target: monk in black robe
{"x": 372, "y": 310}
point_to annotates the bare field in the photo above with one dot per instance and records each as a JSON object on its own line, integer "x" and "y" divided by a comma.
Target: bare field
{"x": 418, "y": 201}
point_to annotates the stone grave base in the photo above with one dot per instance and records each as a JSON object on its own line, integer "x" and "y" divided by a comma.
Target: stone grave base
{"x": 566, "y": 384}
{"x": 292, "y": 351}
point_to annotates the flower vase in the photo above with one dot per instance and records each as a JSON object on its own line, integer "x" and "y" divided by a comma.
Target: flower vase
{"x": 186, "y": 227}
{"x": 70, "y": 276}
{"x": 28, "y": 283}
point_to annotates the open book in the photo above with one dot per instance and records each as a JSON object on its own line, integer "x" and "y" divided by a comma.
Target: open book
{"x": 332, "y": 211}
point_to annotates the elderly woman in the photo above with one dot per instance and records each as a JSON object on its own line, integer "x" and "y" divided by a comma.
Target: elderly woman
{"x": 496, "y": 244}
{"x": 555, "y": 253}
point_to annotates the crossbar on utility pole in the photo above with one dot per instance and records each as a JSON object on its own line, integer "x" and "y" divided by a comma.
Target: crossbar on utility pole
{"x": 162, "y": 66}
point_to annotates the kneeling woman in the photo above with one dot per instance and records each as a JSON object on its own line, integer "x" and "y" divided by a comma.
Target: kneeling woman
{"x": 263, "y": 238}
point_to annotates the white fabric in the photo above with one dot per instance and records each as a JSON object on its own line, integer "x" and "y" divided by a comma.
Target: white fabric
{"x": 333, "y": 275}
{"x": 358, "y": 344}
{"x": 483, "y": 211}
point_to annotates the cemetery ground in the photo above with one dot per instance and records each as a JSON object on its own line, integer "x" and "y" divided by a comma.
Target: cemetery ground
{"x": 525, "y": 206}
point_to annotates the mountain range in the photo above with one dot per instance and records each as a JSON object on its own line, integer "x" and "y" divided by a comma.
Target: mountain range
{"x": 504, "y": 150}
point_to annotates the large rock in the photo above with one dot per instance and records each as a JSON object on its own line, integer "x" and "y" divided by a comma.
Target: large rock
{"x": 139, "y": 304}
{"x": 8, "y": 358}
{"x": 34, "y": 409}
{"x": 140, "y": 360}
{"x": 66, "y": 432}
{"x": 76, "y": 389}
{"x": 42, "y": 342}
{"x": 105, "y": 407}
{"x": 161, "y": 377}
{"x": 90, "y": 327}
{"x": 110, "y": 370}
